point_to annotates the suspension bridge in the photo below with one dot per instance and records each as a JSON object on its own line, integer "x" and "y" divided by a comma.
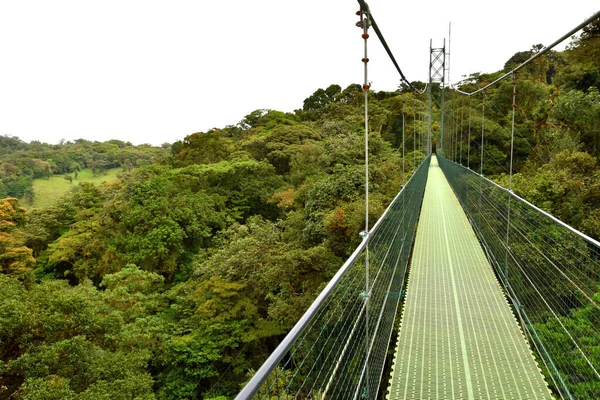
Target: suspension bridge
{"x": 482, "y": 286}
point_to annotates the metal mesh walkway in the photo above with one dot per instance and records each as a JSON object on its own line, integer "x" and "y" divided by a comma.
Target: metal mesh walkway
{"x": 458, "y": 338}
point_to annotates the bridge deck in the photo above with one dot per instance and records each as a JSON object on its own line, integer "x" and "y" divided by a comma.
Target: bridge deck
{"x": 459, "y": 338}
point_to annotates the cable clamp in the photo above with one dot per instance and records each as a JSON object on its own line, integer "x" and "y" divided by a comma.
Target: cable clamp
{"x": 361, "y": 25}
{"x": 365, "y": 21}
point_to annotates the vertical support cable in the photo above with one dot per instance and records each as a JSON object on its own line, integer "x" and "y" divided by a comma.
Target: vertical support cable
{"x": 512, "y": 133}
{"x": 448, "y": 81}
{"x": 452, "y": 129}
{"x": 481, "y": 155}
{"x": 454, "y": 120}
{"x": 364, "y": 17}
{"x": 452, "y": 134}
{"x": 449, "y": 145}
{"x": 512, "y": 142}
{"x": 482, "y": 130}
{"x": 442, "y": 103}
{"x": 403, "y": 130}
{"x": 422, "y": 133}
{"x": 447, "y": 129}
{"x": 456, "y": 129}
{"x": 422, "y": 138}
{"x": 414, "y": 133}
{"x": 469, "y": 137}
{"x": 462, "y": 110}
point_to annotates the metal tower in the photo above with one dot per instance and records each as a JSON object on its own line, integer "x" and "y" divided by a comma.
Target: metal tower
{"x": 437, "y": 70}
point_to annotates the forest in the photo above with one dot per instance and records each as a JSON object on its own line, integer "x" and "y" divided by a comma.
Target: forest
{"x": 176, "y": 280}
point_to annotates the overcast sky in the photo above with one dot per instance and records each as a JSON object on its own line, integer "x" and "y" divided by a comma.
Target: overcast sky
{"x": 155, "y": 71}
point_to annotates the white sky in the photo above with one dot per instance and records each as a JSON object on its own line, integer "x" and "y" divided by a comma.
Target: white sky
{"x": 155, "y": 71}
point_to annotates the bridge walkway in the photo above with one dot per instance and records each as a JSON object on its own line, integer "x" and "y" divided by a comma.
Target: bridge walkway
{"x": 458, "y": 338}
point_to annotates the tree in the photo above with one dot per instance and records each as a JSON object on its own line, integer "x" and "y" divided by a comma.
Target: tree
{"x": 58, "y": 341}
{"x": 579, "y": 112}
{"x": 267, "y": 119}
{"x": 162, "y": 221}
{"x": 202, "y": 148}
{"x": 43, "y": 226}
{"x": 280, "y": 144}
{"x": 585, "y": 48}
{"x": 213, "y": 320}
{"x": 321, "y": 97}
{"x": 582, "y": 54}
{"x": 245, "y": 184}
{"x": 15, "y": 259}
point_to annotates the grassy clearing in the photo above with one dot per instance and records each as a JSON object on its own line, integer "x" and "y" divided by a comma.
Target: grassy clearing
{"x": 49, "y": 191}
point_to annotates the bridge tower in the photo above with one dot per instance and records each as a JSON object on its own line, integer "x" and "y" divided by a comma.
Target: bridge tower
{"x": 437, "y": 72}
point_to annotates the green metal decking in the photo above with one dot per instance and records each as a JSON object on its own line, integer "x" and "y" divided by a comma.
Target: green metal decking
{"x": 458, "y": 337}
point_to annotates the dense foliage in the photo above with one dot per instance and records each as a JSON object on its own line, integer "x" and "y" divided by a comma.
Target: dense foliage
{"x": 179, "y": 278}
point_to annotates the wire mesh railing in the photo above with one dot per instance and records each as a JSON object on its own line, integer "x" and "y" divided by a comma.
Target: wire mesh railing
{"x": 551, "y": 273}
{"x": 338, "y": 348}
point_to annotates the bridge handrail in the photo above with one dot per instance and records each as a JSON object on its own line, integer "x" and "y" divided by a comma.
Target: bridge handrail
{"x": 549, "y": 271}
{"x": 271, "y": 363}
{"x": 519, "y": 198}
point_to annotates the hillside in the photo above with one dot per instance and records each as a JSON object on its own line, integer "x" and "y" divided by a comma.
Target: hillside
{"x": 21, "y": 163}
{"x": 48, "y": 191}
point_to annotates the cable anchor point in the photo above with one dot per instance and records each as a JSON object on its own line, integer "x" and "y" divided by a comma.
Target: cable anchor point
{"x": 364, "y": 22}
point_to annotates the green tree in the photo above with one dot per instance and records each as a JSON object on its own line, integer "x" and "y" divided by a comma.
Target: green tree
{"x": 202, "y": 148}
{"x": 582, "y": 54}
{"x": 579, "y": 113}
{"x": 321, "y": 97}
{"x": 58, "y": 341}
{"x": 15, "y": 259}
{"x": 213, "y": 319}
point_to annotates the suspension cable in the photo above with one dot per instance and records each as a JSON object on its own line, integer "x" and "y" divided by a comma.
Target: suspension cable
{"x": 364, "y": 7}
{"x": 536, "y": 55}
